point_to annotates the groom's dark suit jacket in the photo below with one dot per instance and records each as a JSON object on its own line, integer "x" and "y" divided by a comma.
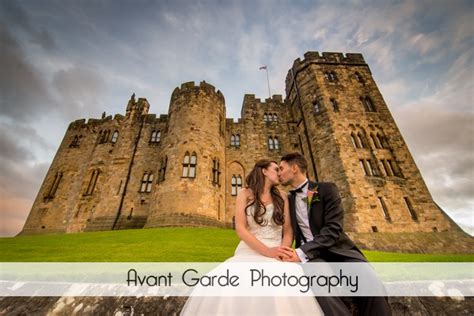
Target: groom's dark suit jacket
{"x": 326, "y": 224}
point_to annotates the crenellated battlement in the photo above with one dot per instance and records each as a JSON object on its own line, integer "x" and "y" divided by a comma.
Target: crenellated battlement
{"x": 192, "y": 87}
{"x": 329, "y": 57}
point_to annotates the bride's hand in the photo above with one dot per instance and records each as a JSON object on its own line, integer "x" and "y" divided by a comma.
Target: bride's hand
{"x": 276, "y": 253}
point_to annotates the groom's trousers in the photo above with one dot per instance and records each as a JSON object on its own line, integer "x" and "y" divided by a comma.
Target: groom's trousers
{"x": 366, "y": 306}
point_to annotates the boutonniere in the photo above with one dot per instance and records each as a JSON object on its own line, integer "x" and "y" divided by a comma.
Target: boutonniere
{"x": 311, "y": 196}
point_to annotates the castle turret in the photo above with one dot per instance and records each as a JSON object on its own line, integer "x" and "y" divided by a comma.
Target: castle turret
{"x": 350, "y": 137}
{"x": 192, "y": 192}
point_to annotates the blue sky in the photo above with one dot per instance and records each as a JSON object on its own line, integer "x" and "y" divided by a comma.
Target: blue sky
{"x": 65, "y": 60}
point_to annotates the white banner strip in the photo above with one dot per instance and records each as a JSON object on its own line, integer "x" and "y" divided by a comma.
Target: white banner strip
{"x": 236, "y": 279}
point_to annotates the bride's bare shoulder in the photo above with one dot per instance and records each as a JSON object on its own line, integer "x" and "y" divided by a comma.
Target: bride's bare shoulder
{"x": 246, "y": 194}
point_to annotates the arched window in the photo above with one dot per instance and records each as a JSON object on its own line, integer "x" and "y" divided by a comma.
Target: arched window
{"x": 275, "y": 117}
{"x": 368, "y": 104}
{"x": 276, "y": 143}
{"x": 381, "y": 140}
{"x": 237, "y": 140}
{"x": 115, "y": 136}
{"x": 375, "y": 141}
{"x": 232, "y": 140}
{"x": 334, "y": 104}
{"x": 236, "y": 184}
{"x": 354, "y": 140}
{"x": 360, "y": 137}
{"x": 155, "y": 137}
{"x": 410, "y": 209}
{"x": 265, "y": 117}
{"x": 270, "y": 143}
{"x": 189, "y": 165}
{"x": 332, "y": 76}
{"x": 147, "y": 181}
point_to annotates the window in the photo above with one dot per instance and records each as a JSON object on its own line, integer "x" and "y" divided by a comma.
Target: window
{"x": 410, "y": 209}
{"x": 114, "y": 137}
{"x": 330, "y": 76}
{"x": 334, "y": 104}
{"x": 92, "y": 182}
{"x": 189, "y": 165}
{"x": 275, "y": 117}
{"x": 359, "y": 78}
{"x": 364, "y": 167}
{"x": 361, "y": 140}
{"x": 375, "y": 141}
{"x": 368, "y": 167}
{"x": 216, "y": 171}
{"x": 273, "y": 143}
{"x": 103, "y": 136}
{"x": 265, "y": 117}
{"x": 236, "y": 184}
{"x": 387, "y": 168}
{"x": 162, "y": 171}
{"x": 54, "y": 186}
{"x": 354, "y": 140}
{"x": 368, "y": 104}
{"x": 381, "y": 140}
{"x": 392, "y": 166}
{"x": 270, "y": 143}
{"x": 155, "y": 137}
{"x": 317, "y": 106}
{"x": 384, "y": 209}
{"x": 147, "y": 181}
{"x": 75, "y": 142}
{"x": 235, "y": 140}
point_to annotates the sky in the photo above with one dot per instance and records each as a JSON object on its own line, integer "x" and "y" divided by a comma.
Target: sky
{"x": 65, "y": 60}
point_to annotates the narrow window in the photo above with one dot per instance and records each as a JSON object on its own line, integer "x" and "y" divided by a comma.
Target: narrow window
{"x": 265, "y": 117}
{"x": 147, "y": 181}
{"x": 232, "y": 140}
{"x": 361, "y": 140}
{"x": 275, "y": 117}
{"x": 384, "y": 209}
{"x": 54, "y": 186}
{"x": 359, "y": 78}
{"x": 270, "y": 143}
{"x": 216, "y": 171}
{"x": 92, "y": 182}
{"x": 354, "y": 141}
{"x": 364, "y": 167}
{"x": 186, "y": 165}
{"x": 115, "y": 137}
{"x": 234, "y": 185}
{"x": 317, "y": 106}
{"x": 162, "y": 171}
{"x": 276, "y": 143}
{"x": 237, "y": 140}
{"x": 335, "y": 106}
{"x": 410, "y": 209}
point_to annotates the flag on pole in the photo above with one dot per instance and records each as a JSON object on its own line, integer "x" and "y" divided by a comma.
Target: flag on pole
{"x": 263, "y": 67}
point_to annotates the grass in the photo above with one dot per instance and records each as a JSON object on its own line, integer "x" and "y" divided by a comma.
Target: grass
{"x": 157, "y": 245}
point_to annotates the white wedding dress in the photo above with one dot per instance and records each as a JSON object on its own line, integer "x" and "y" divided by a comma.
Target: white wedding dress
{"x": 271, "y": 235}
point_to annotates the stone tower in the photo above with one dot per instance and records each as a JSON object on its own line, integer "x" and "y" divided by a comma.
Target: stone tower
{"x": 194, "y": 146}
{"x": 350, "y": 138}
{"x": 185, "y": 168}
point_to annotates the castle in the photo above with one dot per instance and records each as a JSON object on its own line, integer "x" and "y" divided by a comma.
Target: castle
{"x": 185, "y": 168}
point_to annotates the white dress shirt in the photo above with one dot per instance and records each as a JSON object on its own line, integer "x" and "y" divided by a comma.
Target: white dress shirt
{"x": 302, "y": 217}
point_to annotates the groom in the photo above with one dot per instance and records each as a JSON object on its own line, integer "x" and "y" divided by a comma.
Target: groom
{"x": 319, "y": 232}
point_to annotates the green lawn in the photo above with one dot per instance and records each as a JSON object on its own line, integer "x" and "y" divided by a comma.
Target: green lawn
{"x": 156, "y": 245}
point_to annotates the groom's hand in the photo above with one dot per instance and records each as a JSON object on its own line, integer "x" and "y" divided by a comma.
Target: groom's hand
{"x": 290, "y": 254}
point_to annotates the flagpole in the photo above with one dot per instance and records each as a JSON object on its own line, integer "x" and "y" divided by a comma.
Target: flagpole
{"x": 268, "y": 80}
{"x": 268, "y": 83}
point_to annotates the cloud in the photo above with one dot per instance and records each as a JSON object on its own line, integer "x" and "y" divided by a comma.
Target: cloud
{"x": 21, "y": 88}
{"x": 79, "y": 91}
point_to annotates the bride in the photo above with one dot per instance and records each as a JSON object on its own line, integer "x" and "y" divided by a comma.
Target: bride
{"x": 263, "y": 225}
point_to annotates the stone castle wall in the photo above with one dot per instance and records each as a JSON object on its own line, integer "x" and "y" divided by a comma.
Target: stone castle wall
{"x": 137, "y": 179}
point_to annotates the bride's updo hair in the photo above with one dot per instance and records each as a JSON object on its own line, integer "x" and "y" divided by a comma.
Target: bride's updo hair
{"x": 255, "y": 181}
